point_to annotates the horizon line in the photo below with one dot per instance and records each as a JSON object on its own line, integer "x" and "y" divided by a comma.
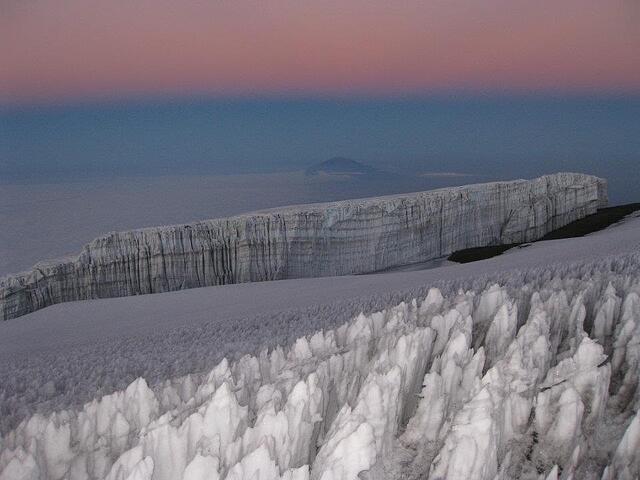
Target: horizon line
{"x": 143, "y": 98}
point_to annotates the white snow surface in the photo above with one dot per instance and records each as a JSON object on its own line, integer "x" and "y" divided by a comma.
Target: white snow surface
{"x": 522, "y": 366}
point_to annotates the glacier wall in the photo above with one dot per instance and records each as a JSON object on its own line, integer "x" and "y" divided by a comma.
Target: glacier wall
{"x": 348, "y": 237}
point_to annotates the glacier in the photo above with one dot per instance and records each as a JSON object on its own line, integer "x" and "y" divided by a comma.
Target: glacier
{"x": 530, "y": 373}
{"x": 340, "y": 238}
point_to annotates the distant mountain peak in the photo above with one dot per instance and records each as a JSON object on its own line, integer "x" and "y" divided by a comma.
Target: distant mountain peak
{"x": 340, "y": 166}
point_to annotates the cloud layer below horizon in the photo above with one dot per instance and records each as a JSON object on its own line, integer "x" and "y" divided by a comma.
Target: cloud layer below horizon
{"x": 54, "y": 51}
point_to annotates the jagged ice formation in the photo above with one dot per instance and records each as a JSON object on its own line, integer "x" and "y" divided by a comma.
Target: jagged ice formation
{"x": 349, "y": 237}
{"x": 532, "y": 376}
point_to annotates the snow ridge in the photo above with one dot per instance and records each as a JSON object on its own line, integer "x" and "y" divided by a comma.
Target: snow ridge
{"x": 535, "y": 377}
{"x": 355, "y": 236}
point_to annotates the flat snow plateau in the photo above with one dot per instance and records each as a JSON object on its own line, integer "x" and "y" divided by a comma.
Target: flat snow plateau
{"x": 521, "y": 366}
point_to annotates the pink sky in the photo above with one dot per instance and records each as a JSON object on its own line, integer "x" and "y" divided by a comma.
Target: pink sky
{"x": 56, "y": 50}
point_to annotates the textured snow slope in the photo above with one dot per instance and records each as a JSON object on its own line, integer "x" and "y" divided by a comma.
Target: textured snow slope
{"x": 354, "y": 236}
{"x": 519, "y": 373}
{"x": 534, "y": 378}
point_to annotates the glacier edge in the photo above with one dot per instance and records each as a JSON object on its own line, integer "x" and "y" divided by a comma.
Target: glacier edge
{"x": 339, "y": 238}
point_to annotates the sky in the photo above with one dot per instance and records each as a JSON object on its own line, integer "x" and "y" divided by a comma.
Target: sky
{"x": 55, "y": 51}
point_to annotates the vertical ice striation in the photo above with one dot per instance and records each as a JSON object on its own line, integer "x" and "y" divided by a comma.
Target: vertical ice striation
{"x": 354, "y": 236}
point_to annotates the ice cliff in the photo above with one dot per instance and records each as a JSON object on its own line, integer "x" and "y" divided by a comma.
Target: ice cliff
{"x": 349, "y": 237}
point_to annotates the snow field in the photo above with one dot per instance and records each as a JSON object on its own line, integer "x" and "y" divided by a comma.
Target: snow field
{"x": 532, "y": 377}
